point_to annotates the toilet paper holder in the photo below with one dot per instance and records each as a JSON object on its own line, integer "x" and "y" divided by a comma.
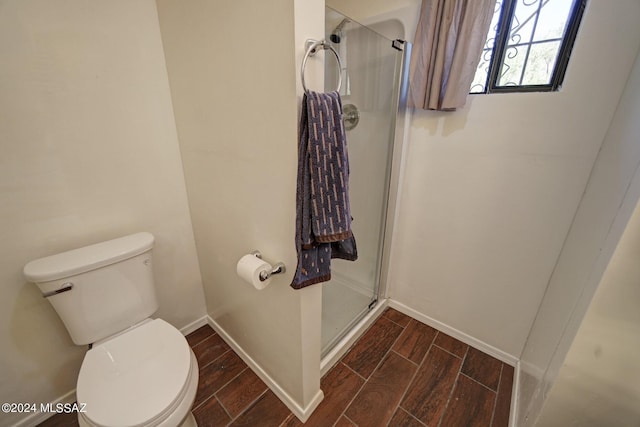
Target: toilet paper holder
{"x": 275, "y": 269}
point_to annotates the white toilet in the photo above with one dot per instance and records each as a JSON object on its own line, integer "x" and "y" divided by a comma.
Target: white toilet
{"x": 138, "y": 371}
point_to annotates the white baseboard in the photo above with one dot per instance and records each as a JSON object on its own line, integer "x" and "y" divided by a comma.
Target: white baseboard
{"x": 186, "y": 330}
{"x": 473, "y": 342}
{"x": 302, "y": 413}
{"x": 513, "y": 411}
{"x": 38, "y": 417}
{"x": 348, "y": 340}
{"x": 328, "y": 361}
{"x": 467, "y": 339}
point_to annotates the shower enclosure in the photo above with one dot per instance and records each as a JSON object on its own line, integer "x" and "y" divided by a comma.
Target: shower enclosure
{"x": 372, "y": 65}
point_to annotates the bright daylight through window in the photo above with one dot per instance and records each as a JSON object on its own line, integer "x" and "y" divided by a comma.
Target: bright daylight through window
{"x": 528, "y": 45}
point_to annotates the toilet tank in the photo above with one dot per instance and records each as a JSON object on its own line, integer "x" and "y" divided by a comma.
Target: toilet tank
{"x": 101, "y": 289}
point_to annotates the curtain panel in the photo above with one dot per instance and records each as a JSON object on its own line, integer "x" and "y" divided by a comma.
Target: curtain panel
{"x": 446, "y": 51}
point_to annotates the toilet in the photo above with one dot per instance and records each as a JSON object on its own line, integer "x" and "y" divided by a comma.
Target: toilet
{"x": 138, "y": 371}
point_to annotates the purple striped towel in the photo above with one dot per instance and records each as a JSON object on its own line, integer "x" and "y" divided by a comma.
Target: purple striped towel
{"x": 323, "y": 215}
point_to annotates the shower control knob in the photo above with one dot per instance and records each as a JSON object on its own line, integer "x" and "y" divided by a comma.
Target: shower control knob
{"x": 350, "y": 115}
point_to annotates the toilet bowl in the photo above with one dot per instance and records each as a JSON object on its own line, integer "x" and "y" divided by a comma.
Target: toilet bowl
{"x": 147, "y": 376}
{"x": 138, "y": 372}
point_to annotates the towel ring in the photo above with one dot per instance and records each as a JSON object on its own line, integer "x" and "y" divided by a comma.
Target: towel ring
{"x": 312, "y": 49}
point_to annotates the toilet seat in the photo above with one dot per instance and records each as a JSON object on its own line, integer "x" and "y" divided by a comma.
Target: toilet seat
{"x": 137, "y": 378}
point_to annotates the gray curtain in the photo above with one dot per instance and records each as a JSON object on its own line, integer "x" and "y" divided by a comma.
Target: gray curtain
{"x": 446, "y": 51}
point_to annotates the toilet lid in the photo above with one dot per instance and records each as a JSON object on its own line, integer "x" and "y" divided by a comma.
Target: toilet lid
{"x": 135, "y": 377}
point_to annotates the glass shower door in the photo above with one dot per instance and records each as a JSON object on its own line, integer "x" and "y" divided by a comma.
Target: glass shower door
{"x": 370, "y": 82}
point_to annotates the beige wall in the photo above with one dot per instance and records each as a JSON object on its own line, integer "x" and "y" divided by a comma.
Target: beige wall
{"x": 233, "y": 68}
{"x": 89, "y": 152}
{"x": 610, "y": 197}
{"x": 599, "y": 382}
{"x": 490, "y": 191}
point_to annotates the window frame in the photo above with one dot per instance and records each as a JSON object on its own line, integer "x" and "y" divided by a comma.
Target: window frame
{"x": 507, "y": 13}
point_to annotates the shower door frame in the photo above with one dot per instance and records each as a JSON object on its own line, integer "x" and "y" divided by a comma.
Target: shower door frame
{"x": 402, "y": 122}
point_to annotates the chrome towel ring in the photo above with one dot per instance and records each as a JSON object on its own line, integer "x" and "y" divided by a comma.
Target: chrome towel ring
{"x": 312, "y": 49}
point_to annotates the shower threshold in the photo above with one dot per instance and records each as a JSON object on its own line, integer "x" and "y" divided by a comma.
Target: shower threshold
{"x": 345, "y": 341}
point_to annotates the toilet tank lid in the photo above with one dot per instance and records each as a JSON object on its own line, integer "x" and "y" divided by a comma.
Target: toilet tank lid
{"x": 87, "y": 258}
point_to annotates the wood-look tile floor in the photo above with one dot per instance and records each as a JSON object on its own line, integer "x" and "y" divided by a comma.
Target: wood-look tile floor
{"x": 399, "y": 373}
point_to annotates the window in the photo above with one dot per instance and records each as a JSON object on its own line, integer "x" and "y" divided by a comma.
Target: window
{"x": 528, "y": 45}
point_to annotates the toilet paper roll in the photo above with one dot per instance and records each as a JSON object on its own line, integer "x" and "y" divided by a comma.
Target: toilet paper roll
{"x": 249, "y": 268}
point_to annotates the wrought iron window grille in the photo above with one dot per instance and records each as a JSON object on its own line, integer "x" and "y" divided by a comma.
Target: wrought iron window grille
{"x": 524, "y": 51}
